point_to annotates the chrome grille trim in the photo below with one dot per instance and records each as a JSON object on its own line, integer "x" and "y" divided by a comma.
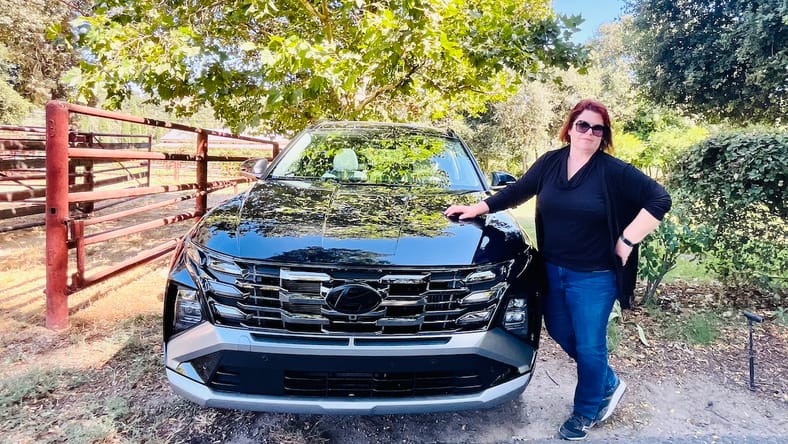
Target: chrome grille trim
{"x": 292, "y": 299}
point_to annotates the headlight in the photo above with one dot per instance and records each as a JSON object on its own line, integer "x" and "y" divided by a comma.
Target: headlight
{"x": 489, "y": 273}
{"x": 204, "y": 260}
{"x": 475, "y": 316}
{"x": 485, "y": 295}
{"x": 188, "y": 311}
{"x": 228, "y": 312}
{"x": 224, "y": 266}
{"x": 480, "y": 276}
{"x": 486, "y": 286}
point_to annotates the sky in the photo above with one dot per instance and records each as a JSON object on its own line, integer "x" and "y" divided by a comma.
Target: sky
{"x": 595, "y": 12}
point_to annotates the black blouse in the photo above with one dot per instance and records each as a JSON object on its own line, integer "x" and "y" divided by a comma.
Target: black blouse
{"x": 625, "y": 190}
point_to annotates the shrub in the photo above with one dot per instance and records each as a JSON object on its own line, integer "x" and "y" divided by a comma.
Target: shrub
{"x": 13, "y": 107}
{"x": 660, "y": 251}
{"x": 735, "y": 191}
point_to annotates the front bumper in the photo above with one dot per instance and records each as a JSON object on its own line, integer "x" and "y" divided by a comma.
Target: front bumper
{"x": 241, "y": 369}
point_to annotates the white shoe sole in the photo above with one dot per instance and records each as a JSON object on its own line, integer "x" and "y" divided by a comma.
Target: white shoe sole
{"x": 622, "y": 387}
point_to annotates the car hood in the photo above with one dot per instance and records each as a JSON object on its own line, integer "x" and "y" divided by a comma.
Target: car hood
{"x": 331, "y": 223}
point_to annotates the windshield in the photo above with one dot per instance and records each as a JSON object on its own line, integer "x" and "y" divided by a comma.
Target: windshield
{"x": 379, "y": 156}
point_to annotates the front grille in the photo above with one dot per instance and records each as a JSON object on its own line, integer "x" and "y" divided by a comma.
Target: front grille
{"x": 381, "y": 385}
{"x": 351, "y": 376}
{"x": 291, "y": 299}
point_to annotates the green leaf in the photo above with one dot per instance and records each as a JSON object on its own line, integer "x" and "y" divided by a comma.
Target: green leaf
{"x": 398, "y": 60}
{"x": 248, "y": 46}
{"x": 642, "y": 335}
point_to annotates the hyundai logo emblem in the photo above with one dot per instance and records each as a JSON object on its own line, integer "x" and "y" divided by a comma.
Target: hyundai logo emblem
{"x": 353, "y": 299}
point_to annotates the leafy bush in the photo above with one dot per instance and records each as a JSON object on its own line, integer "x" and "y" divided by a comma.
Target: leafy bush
{"x": 616, "y": 325}
{"x": 660, "y": 251}
{"x": 735, "y": 191}
{"x": 667, "y": 135}
{"x": 13, "y": 107}
{"x": 628, "y": 147}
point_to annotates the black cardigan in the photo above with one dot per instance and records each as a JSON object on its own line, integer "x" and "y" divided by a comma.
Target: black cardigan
{"x": 627, "y": 191}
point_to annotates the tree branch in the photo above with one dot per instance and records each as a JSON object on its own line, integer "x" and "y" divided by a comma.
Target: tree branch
{"x": 74, "y": 7}
{"x": 385, "y": 88}
{"x": 311, "y": 9}
{"x": 323, "y": 17}
{"x": 327, "y": 22}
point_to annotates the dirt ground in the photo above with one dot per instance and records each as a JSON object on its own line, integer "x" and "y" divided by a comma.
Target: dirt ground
{"x": 101, "y": 380}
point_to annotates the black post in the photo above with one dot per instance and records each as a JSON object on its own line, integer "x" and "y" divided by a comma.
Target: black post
{"x": 752, "y": 317}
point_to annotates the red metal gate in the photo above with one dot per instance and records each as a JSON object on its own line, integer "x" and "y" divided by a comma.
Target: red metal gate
{"x": 23, "y": 172}
{"x": 64, "y": 232}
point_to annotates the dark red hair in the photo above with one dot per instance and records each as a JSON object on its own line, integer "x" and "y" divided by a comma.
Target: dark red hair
{"x": 590, "y": 105}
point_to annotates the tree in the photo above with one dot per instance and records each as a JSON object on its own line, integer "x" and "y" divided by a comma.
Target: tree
{"x": 724, "y": 59}
{"x": 612, "y": 70}
{"x": 33, "y": 63}
{"x": 281, "y": 64}
{"x": 13, "y": 107}
{"x": 525, "y": 121}
{"x": 527, "y": 124}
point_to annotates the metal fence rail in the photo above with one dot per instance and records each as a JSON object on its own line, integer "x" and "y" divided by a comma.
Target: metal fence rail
{"x": 23, "y": 171}
{"x": 65, "y": 232}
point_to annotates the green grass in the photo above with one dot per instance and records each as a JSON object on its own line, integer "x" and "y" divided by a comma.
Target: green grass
{"x": 525, "y": 217}
{"x": 37, "y": 384}
{"x": 614, "y": 336}
{"x": 87, "y": 405}
{"x": 694, "y": 329}
{"x": 35, "y": 391}
{"x": 781, "y": 316}
{"x": 689, "y": 269}
{"x": 698, "y": 328}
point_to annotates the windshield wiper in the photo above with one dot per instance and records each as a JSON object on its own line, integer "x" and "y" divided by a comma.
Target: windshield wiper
{"x": 293, "y": 178}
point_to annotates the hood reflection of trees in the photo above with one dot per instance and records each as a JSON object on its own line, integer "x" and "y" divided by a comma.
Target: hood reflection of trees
{"x": 285, "y": 209}
{"x": 330, "y": 255}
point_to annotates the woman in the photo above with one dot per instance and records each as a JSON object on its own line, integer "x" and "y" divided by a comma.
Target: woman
{"x": 591, "y": 211}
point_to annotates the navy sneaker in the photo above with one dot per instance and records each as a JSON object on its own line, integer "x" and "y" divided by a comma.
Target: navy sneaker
{"x": 576, "y": 427}
{"x": 610, "y": 401}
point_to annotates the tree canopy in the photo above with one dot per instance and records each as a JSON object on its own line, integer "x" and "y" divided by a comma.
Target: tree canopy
{"x": 281, "y": 64}
{"x": 722, "y": 58}
{"x": 31, "y": 65}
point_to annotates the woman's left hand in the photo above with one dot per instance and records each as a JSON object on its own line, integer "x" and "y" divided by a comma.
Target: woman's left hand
{"x": 623, "y": 251}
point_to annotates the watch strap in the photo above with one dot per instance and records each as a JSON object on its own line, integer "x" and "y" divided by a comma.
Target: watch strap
{"x": 626, "y": 241}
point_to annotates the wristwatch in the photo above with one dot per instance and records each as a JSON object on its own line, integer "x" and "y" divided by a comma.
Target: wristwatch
{"x": 626, "y": 241}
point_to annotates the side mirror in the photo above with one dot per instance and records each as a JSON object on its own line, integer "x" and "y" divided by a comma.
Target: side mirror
{"x": 254, "y": 168}
{"x": 500, "y": 179}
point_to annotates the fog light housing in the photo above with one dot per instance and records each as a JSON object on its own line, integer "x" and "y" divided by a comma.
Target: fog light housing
{"x": 188, "y": 311}
{"x": 512, "y": 318}
{"x": 515, "y": 318}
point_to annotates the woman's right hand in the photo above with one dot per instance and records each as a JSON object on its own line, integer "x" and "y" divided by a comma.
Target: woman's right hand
{"x": 467, "y": 211}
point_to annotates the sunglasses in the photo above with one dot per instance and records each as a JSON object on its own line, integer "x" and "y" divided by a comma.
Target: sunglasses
{"x": 582, "y": 127}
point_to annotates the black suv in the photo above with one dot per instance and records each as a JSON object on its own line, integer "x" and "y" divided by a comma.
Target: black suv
{"x": 336, "y": 285}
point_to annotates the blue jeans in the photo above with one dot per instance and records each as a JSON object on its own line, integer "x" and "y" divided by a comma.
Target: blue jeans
{"x": 576, "y": 311}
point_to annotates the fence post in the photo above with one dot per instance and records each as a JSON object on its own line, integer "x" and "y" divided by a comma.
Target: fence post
{"x": 201, "y": 201}
{"x": 150, "y": 145}
{"x": 56, "y": 214}
{"x": 89, "y": 179}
